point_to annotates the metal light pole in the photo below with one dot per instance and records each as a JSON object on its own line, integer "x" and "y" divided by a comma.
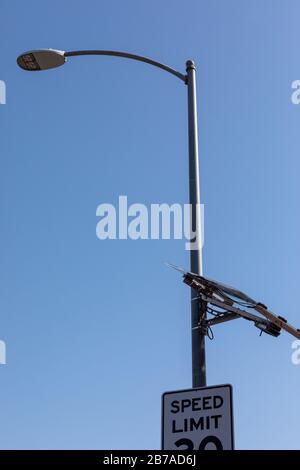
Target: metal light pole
{"x": 50, "y": 58}
{"x": 198, "y": 307}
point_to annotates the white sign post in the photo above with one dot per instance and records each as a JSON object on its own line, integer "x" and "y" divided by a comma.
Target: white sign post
{"x": 198, "y": 419}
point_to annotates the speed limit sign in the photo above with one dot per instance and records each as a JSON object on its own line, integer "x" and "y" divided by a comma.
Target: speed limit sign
{"x": 198, "y": 419}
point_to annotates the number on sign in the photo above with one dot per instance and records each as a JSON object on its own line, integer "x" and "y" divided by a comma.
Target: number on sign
{"x": 207, "y": 440}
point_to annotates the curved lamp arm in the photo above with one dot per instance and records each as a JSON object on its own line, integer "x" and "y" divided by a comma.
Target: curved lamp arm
{"x": 127, "y": 55}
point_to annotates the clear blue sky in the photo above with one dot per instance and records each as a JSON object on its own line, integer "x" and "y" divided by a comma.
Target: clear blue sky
{"x": 97, "y": 330}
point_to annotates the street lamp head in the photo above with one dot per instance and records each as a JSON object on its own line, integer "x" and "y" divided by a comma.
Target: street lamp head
{"x": 41, "y": 60}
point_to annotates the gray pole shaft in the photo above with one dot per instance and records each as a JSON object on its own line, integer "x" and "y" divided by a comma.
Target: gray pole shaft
{"x": 197, "y": 307}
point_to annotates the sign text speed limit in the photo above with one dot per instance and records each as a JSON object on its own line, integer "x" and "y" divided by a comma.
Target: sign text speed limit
{"x": 198, "y": 419}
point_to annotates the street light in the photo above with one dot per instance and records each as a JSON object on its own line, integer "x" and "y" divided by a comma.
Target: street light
{"x": 41, "y": 60}
{"x": 44, "y": 59}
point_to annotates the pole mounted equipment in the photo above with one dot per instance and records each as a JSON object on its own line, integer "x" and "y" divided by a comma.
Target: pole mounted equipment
{"x": 225, "y": 303}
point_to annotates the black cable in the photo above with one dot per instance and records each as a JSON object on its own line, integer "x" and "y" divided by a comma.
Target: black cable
{"x": 210, "y": 333}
